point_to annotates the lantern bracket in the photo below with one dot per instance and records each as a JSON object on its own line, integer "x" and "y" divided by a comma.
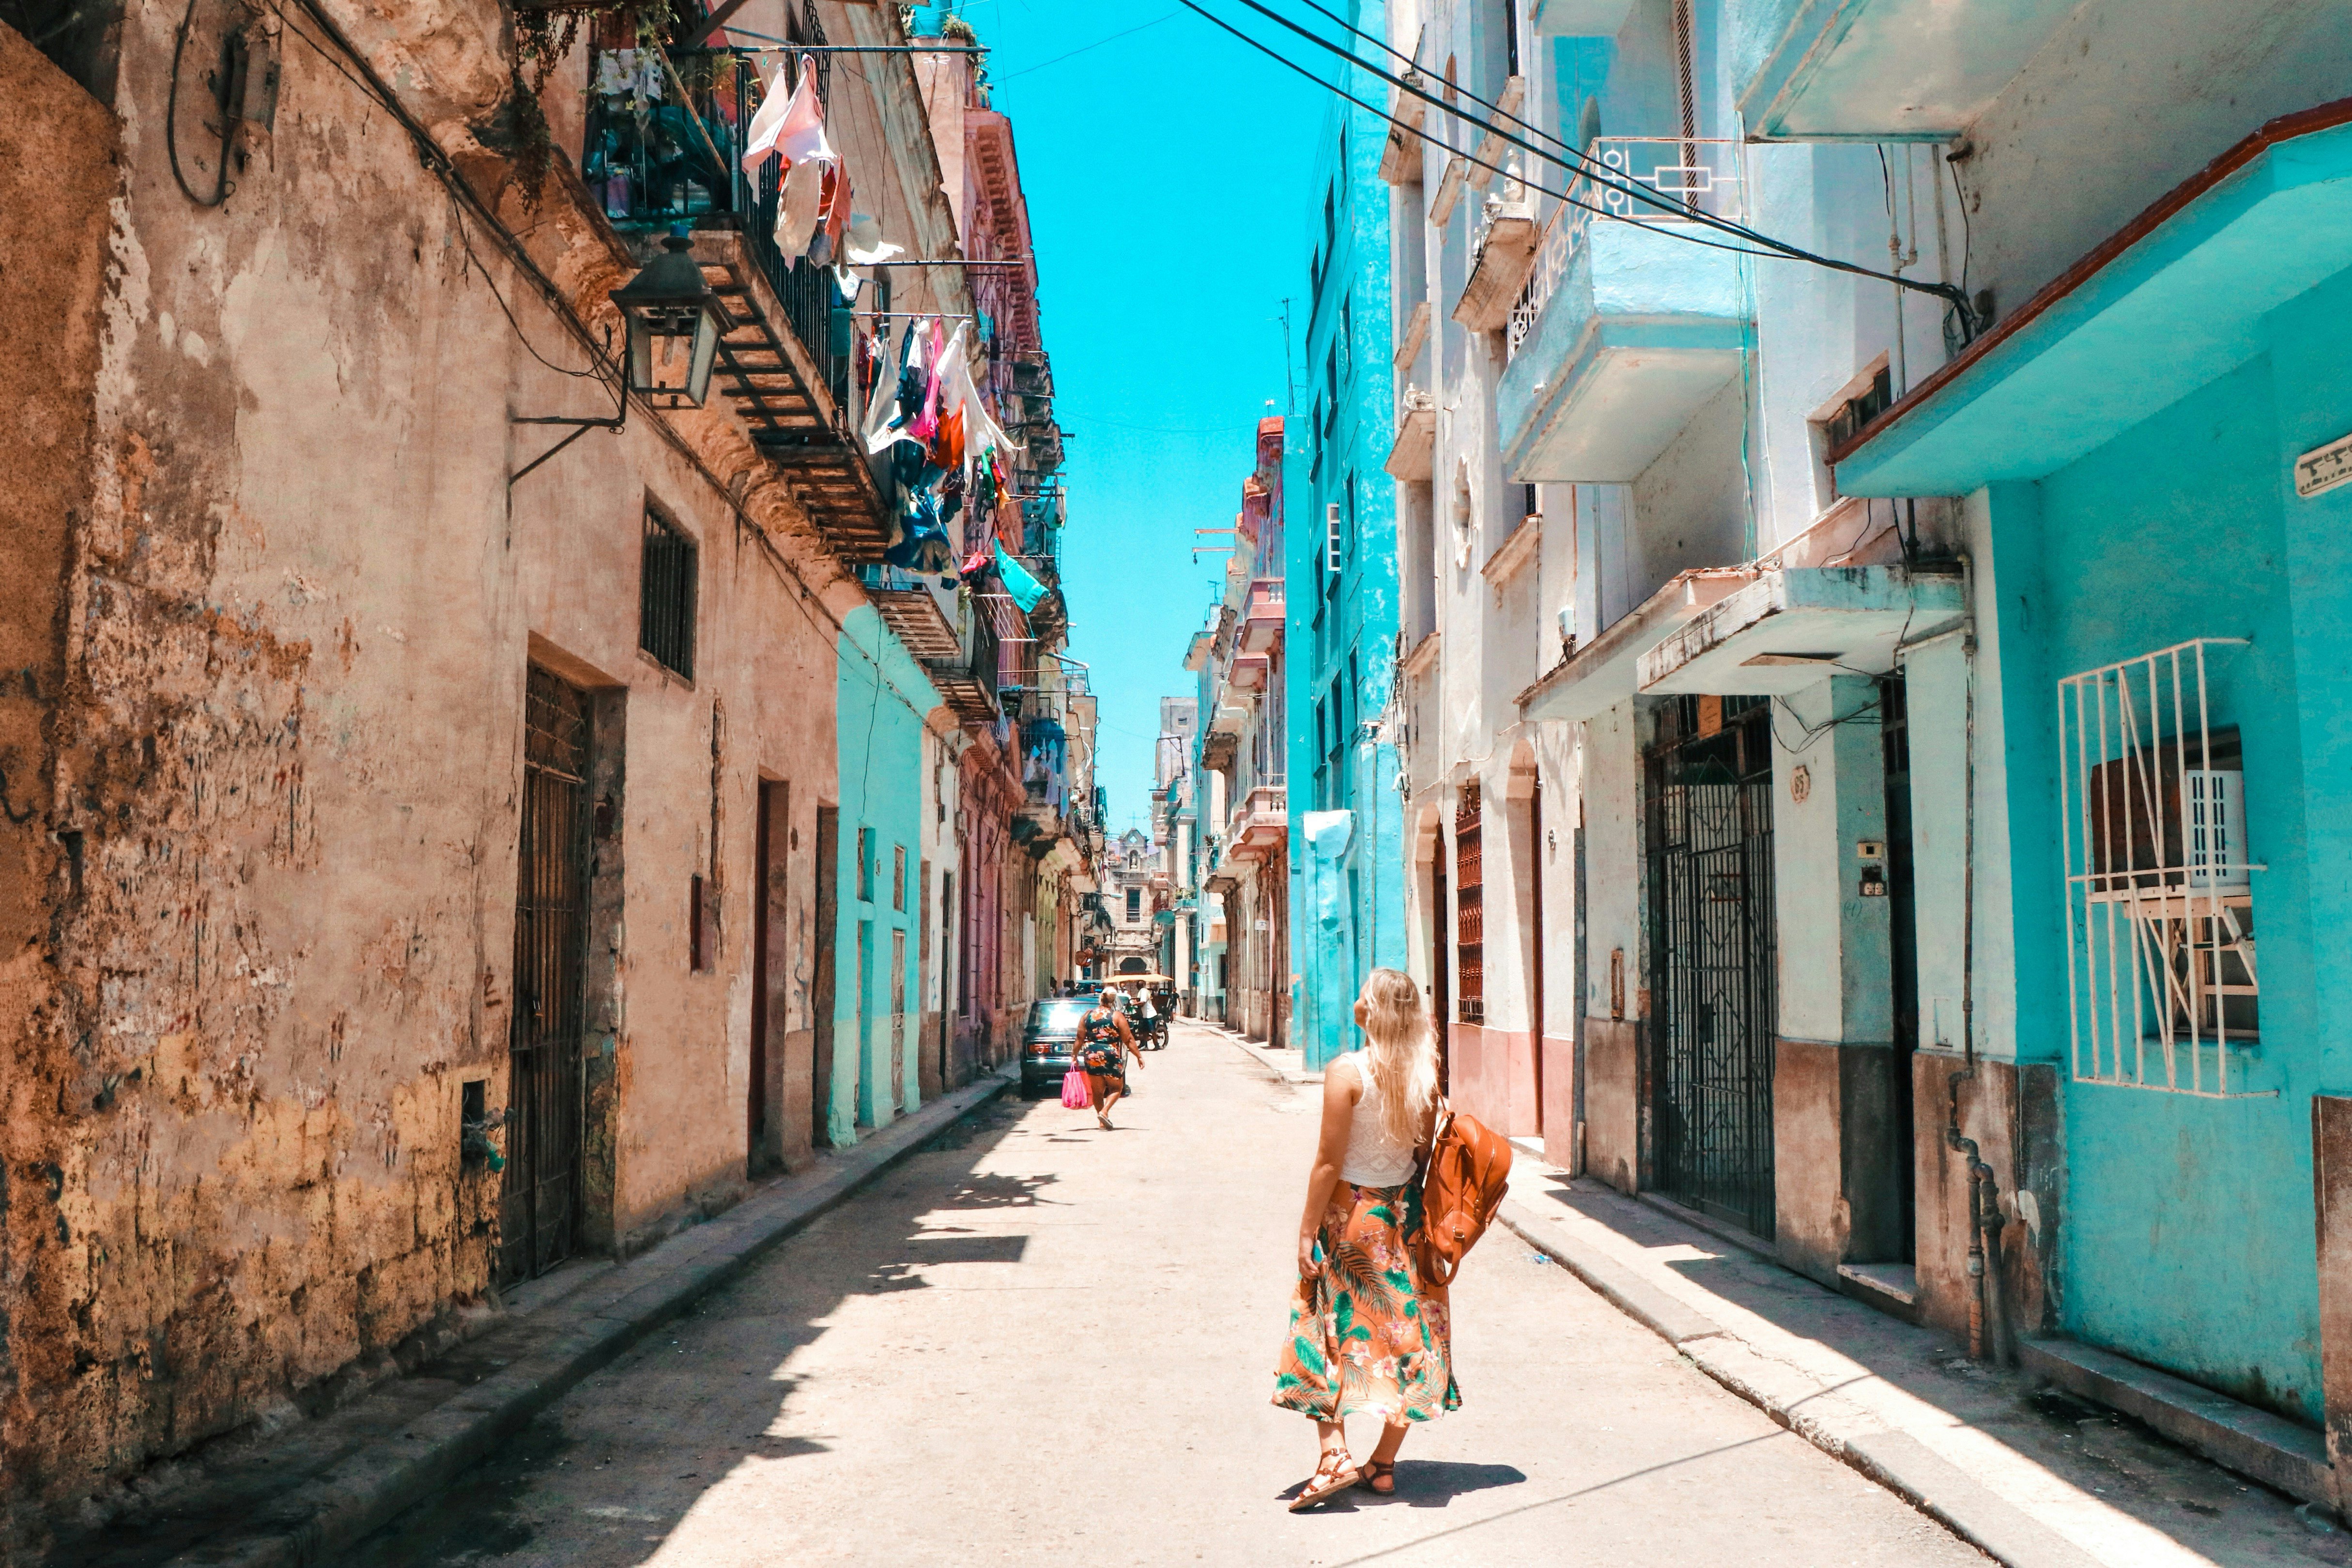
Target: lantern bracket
{"x": 582, "y": 427}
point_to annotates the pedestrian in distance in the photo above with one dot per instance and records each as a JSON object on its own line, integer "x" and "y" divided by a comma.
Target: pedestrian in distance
{"x": 1150, "y": 1016}
{"x": 1104, "y": 1042}
{"x": 1368, "y": 1336}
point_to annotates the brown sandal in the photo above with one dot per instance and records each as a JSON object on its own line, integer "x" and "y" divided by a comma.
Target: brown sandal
{"x": 1333, "y": 1476}
{"x": 1380, "y": 1475}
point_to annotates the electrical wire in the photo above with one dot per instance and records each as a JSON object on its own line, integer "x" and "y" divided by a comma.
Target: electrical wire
{"x": 171, "y": 121}
{"x": 1575, "y": 163}
{"x": 1535, "y": 185}
{"x": 1967, "y": 238}
{"x": 1099, "y": 43}
{"x": 436, "y": 162}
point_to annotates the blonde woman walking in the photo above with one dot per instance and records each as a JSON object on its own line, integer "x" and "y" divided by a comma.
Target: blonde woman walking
{"x": 1368, "y": 1336}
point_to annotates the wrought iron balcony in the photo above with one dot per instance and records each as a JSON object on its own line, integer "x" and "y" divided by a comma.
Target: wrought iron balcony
{"x": 655, "y": 155}
{"x": 922, "y": 617}
{"x": 967, "y": 682}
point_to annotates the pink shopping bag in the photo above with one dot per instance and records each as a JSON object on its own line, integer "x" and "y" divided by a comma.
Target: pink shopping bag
{"x": 1075, "y": 1095}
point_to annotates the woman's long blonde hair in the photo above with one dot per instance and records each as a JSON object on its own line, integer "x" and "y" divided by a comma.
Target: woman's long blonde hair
{"x": 1400, "y": 1052}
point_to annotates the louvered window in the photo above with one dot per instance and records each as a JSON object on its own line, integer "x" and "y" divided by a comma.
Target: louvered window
{"x": 1469, "y": 912}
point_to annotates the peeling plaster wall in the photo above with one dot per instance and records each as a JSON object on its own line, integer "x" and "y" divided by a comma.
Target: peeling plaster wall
{"x": 284, "y": 604}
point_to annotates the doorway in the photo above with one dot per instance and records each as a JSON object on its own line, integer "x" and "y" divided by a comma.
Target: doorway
{"x": 770, "y": 962}
{"x": 539, "y": 1196}
{"x": 1536, "y": 934}
{"x": 828, "y": 911}
{"x": 1707, "y": 805}
{"x": 862, "y": 1102}
{"x": 1903, "y": 945}
{"x": 1441, "y": 965}
{"x": 895, "y": 1093}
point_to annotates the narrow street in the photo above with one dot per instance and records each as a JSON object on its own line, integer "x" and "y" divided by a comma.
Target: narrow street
{"x": 1045, "y": 1344}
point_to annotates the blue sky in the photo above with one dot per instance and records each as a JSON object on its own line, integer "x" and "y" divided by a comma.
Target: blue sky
{"x": 1167, "y": 174}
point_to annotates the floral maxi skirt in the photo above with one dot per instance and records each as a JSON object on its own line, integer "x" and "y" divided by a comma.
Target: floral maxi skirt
{"x": 1367, "y": 1338}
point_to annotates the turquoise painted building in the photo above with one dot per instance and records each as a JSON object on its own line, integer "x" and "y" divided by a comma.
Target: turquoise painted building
{"x": 881, "y": 695}
{"x": 1346, "y": 823}
{"x": 2159, "y": 535}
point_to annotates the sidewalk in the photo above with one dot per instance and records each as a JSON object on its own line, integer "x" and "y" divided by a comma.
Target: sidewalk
{"x": 2031, "y": 1475}
{"x": 2034, "y": 1476}
{"x": 306, "y": 1492}
{"x": 1285, "y": 1062}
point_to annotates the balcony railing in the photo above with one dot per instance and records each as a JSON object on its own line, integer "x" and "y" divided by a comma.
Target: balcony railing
{"x": 663, "y": 144}
{"x": 1259, "y": 820}
{"x": 652, "y": 159}
{"x": 1682, "y": 179}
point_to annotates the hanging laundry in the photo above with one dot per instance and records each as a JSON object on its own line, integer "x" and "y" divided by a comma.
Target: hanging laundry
{"x": 794, "y": 126}
{"x": 881, "y": 408}
{"x": 1026, "y": 591}
{"x": 796, "y": 209}
{"x": 863, "y": 243}
{"x": 947, "y": 446}
{"x": 951, "y": 497}
{"x": 982, "y": 432}
{"x": 833, "y": 221}
{"x": 634, "y": 74}
{"x": 907, "y": 390}
{"x": 926, "y": 422}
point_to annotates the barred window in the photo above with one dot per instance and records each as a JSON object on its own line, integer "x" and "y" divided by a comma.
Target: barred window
{"x": 1469, "y": 909}
{"x": 666, "y": 591}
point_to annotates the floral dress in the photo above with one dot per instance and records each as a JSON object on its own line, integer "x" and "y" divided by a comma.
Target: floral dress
{"x": 1099, "y": 1053}
{"x": 1367, "y": 1337}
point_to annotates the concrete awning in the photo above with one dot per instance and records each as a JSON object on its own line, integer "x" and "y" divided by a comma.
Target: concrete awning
{"x": 1881, "y": 70}
{"x": 2173, "y": 299}
{"x": 1604, "y": 672}
{"x": 1413, "y": 455}
{"x": 1788, "y": 629}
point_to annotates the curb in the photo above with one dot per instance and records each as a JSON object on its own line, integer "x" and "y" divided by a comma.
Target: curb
{"x": 333, "y": 1512}
{"x": 1260, "y": 1054}
{"x": 1895, "y": 1460}
{"x": 1616, "y": 1284}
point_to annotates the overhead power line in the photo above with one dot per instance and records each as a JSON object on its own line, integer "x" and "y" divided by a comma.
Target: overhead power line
{"x": 1472, "y": 159}
{"x": 1576, "y": 162}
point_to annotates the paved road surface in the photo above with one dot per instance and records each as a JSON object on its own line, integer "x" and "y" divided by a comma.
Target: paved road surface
{"x": 1038, "y": 1343}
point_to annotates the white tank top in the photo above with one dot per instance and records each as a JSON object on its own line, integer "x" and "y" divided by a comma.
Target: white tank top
{"x": 1373, "y": 1159}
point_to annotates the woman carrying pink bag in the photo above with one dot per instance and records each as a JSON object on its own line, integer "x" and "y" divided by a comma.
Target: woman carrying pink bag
{"x": 1104, "y": 1042}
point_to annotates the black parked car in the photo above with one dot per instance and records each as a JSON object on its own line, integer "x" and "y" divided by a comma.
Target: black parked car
{"x": 1047, "y": 1040}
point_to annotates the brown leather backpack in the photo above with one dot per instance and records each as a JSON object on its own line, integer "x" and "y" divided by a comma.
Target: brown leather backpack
{"x": 1463, "y": 1184}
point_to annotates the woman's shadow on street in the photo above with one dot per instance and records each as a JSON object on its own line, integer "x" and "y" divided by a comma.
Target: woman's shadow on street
{"x": 1422, "y": 1483}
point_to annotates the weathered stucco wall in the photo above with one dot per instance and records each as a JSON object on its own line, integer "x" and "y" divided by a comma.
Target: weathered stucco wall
{"x": 49, "y": 328}
{"x": 282, "y": 602}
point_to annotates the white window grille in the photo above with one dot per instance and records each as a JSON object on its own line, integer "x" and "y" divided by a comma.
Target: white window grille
{"x": 1334, "y": 537}
{"x": 2160, "y": 963}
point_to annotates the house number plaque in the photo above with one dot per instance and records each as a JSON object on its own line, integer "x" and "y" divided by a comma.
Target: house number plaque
{"x": 2324, "y": 467}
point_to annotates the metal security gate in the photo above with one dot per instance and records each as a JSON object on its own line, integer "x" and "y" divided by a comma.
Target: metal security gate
{"x": 539, "y": 1206}
{"x": 1707, "y": 798}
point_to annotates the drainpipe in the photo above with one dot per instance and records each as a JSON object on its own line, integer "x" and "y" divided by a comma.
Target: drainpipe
{"x": 1984, "y": 1192}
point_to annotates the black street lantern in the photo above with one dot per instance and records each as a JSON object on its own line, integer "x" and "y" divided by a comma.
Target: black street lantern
{"x": 667, "y": 302}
